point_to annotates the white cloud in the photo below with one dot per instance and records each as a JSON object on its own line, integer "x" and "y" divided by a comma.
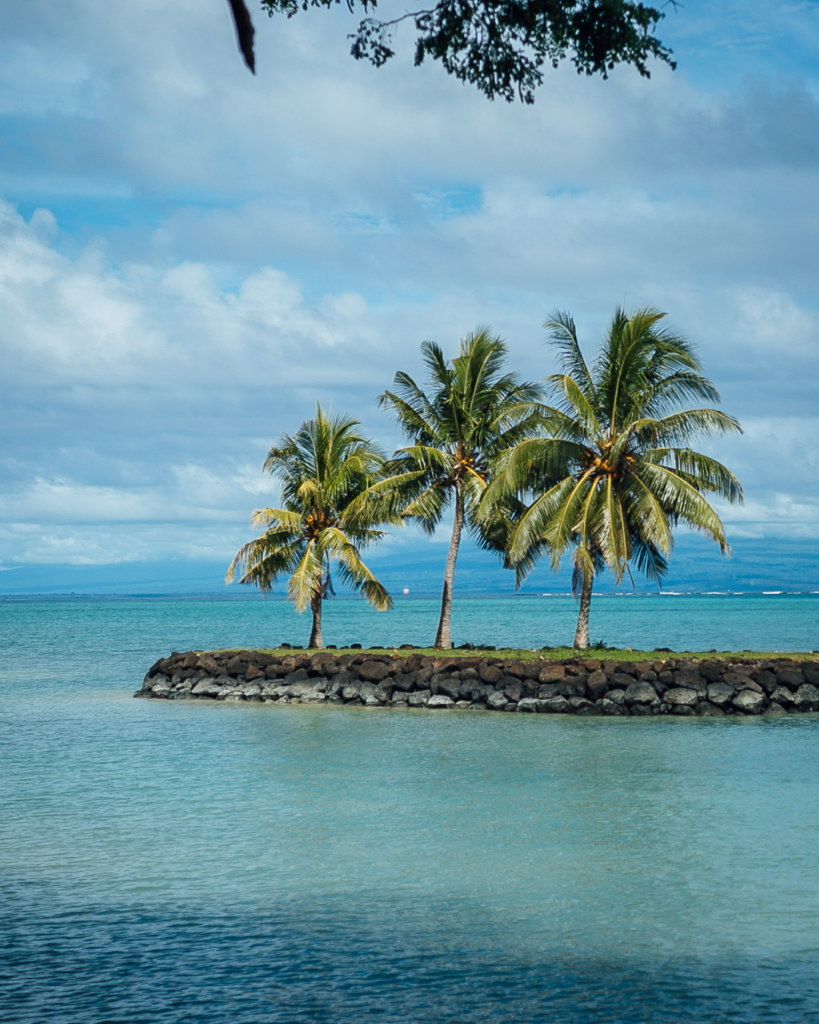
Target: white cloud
{"x": 199, "y": 255}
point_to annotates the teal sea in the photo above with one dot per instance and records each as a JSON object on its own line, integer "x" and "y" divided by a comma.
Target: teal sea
{"x": 204, "y": 863}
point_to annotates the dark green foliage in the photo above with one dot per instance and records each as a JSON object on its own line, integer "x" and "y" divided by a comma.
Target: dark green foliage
{"x": 502, "y": 46}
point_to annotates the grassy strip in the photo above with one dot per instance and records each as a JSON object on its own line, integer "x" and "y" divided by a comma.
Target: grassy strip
{"x": 552, "y": 654}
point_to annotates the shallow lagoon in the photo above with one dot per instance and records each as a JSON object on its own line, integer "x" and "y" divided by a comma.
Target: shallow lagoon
{"x": 204, "y": 863}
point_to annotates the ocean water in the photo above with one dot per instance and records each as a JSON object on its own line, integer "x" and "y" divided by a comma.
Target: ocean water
{"x": 238, "y": 864}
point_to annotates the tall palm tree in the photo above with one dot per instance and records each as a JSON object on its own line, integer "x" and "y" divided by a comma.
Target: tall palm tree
{"x": 616, "y": 471}
{"x": 470, "y": 413}
{"x": 326, "y": 468}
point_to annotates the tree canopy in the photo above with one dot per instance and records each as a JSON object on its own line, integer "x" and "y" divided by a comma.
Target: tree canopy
{"x": 616, "y": 471}
{"x": 326, "y": 469}
{"x": 471, "y": 412}
{"x": 499, "y": 46}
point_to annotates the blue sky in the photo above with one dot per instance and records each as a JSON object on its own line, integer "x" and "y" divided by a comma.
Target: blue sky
{"x": 191, "y": 256}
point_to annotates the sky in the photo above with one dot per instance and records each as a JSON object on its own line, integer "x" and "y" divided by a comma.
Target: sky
{"x": 191, "y": 257}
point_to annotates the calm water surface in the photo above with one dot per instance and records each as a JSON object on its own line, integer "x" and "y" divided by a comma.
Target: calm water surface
{"x": 211, "y": 863}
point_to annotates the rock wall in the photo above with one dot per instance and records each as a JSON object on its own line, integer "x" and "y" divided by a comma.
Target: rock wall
{"x": 676, "y": 686}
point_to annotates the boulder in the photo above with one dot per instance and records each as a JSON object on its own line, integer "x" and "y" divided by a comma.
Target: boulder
{"x": 791, "y": 677}
{"x": 705, "y": 709}
{"x": 640, "y": 692}
{"x": 597, "y": 684}
{"x": 749, "y": 702}
{"x": 806, "y": 698}
{"x": 513, "y": 690}
{"x": 449, "y": 685}
{"x": 690, "y": 679}
{"x": 554, "y": 706}
{"x": 681, "y": 697}
{"x": 440, "y": 700}
{"x": 573, "y": 686}
{"x": 551, "y": 673}
{"x": 783, "y": 696}
{"x": 307, "y": 691}
{"x": 418, "y": 698}
{"x": 720, "y": 693}
{"x": 609, "y": 707}
{"x": 489, "y": 672}
{"x": 206, "y": 688}
{"x": 373, "y": 671}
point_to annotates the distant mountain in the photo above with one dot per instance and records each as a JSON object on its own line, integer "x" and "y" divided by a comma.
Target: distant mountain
{"x": 696, "y": 565}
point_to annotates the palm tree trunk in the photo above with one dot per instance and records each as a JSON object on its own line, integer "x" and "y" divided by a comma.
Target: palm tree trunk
{"x": 443, "y": 638}
{"x": 581, "y": 636}
{"x": 316, "y": 639}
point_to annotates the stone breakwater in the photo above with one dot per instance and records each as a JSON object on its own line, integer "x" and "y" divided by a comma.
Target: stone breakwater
{"x": 676, "y": 686}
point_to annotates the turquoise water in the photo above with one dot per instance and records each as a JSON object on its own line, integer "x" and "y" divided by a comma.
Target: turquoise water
{"x": 212, "y": 863}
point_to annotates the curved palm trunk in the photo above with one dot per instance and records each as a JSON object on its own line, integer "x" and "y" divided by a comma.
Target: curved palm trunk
{"x": 581, "y": 636}
{"x": 316, "y": 639}
{"x": 443, "y": 638}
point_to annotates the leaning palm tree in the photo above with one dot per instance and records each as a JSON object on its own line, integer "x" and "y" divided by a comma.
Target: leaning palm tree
{"x": 616, "y": 471}
{"x": 470, "y": 413}
{"x": 326, "y": 468}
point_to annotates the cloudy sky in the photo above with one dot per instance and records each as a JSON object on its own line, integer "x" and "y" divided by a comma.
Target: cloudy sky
{"x": 191, "y": 257}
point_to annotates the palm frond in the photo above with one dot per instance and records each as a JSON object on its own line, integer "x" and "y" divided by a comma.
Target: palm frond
{"x": 562, "y": 332}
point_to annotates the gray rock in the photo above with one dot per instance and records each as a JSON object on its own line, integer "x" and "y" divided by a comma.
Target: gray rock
{"x": 749, "y": 702}
{"x": 775, "y": 710}
{"x": 791, "y": 677}
{"x": 767, "y": 680}
{"x": 806, "y": 698}
{"x": 418, "y": 698}
{"x": 618, "y": 696}
{"x": 496, "y": 701}
{"x": 689, "y": 679}
{"x": 513, "y": 690}
{"x": 720, "y": 693}
{"x": 608, "y": 707}
{"x": 573, "y": 686}
{"x": 449, "y": 685}
{"x": 440, "y": 700}
{"x": 206, "y": 688}
{"x": 783, "y": 696}
{"x": 706, "y": 709}
{"x": 307, "y": 692}
{"x": 555, "y": 706}
{"x": 680, "y": 696}
{"x": 161, "y": 688}
{"x": 640, "y": 692}
{"x": 529, "y": 705}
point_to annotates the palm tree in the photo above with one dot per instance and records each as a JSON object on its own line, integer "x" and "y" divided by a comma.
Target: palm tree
{"x": 471, "y": 412}
{"x": 326, "y": 468}
{"x": 616, "y": 471}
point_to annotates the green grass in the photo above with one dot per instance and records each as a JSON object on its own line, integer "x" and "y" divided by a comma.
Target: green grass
{"x": 558, "y": 654}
